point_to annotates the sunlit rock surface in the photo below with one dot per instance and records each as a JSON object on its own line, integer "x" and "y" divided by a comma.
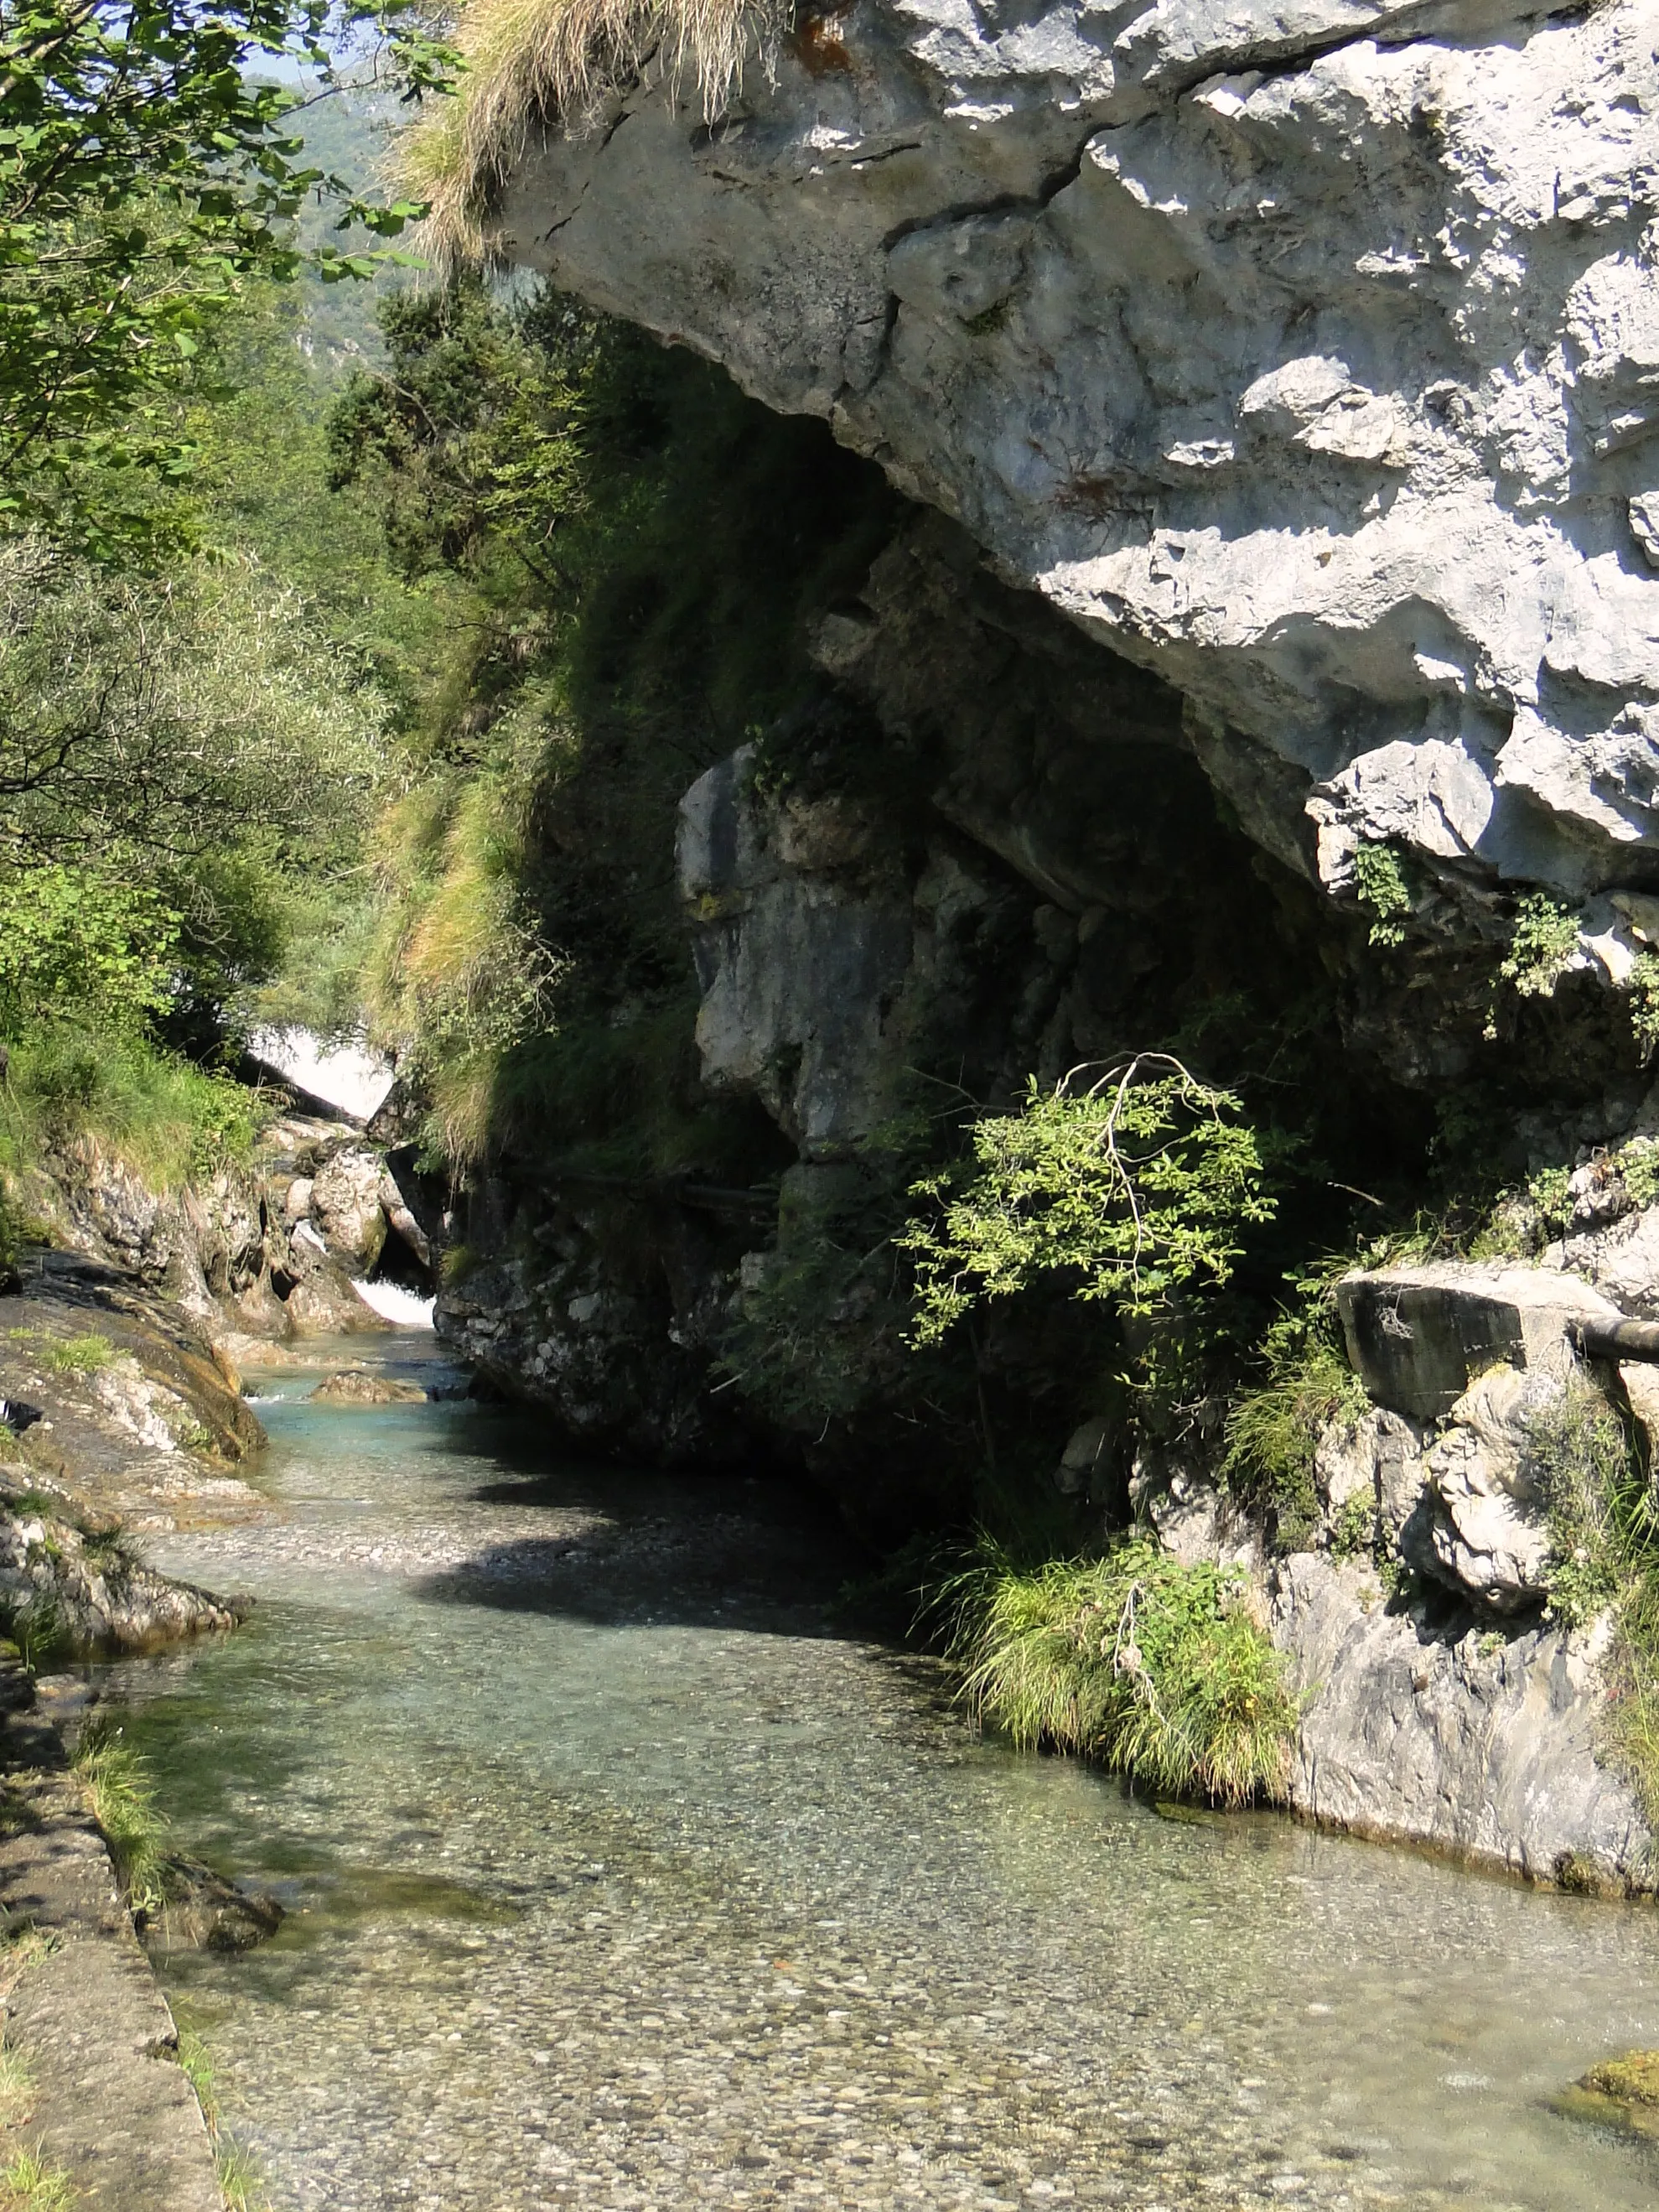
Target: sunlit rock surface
{"x": 1308, "y": 353}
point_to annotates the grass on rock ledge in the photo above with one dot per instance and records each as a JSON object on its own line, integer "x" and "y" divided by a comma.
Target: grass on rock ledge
{"x": 240, "y": 2182}
{"x": 557, "y": 60}
{"x": 1156, "y": 1669}
{"x": 123, "y": 1799}
{"x": 29, "y": 2183}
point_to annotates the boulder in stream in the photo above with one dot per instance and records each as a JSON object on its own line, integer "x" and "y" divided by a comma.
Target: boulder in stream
{"x": 357, "y": 1386}
{"x": 203, "y": 1911}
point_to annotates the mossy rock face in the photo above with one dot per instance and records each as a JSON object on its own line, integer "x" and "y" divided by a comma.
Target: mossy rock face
{"x": 1633, "y": 2079}
{"x": 1620, "y": 2093}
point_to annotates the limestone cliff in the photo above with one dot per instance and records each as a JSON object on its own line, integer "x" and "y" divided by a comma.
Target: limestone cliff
{"x": 1308, "y": 355}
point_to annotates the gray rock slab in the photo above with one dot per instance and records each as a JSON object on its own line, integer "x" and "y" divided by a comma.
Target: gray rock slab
{"x": 1308, "y": 355}
{"x": 112, "y": 2106}
{"x": 1483, "y": 1748}
{"x": 1418, "y": 1337}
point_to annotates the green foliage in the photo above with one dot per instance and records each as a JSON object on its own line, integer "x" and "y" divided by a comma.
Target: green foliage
{"x": 1154, "y": 1668}
{"x": 1644, "y": 989}
{"x": 1602, "y": 1516}
{"x": 1603, "y": 1520}
{"x": 1272, "y": 1430}
{"x": 122, "y": 1798}
{"x": 165, "y": 1118}
{"x": 461, "y": 973}
{"x": 1541, "y": 946}
{"x": 629, "y": 530}
{"x": 172, "y": 754}
{"x": 1355, "y": 1531}
{"x": 508, "y": 390}
{"x": 75, "y": 944}
{"x": 29, "y": 2182}
{"x": 145, "y": 172}
{"x": 1523, "y": 1221}
{"x": 1637, "y": 1165}
{"x": 1381, "y": 882}
{"x": 37, "y": 1626}
{"x": 1134, "y": 1189}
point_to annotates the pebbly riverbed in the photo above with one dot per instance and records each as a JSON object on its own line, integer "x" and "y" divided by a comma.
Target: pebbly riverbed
{"x": 620, "y": 1876}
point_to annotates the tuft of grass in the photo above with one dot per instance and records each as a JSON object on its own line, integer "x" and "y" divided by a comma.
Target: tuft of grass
{"x": 105, "y": 1547}
{"x": 1602, "y": 1521}
{"x": 240, "y": 2182}
{"x": 87, "y": 1354}
{"x": 123, "y": 1800}
{"x": 1154, "y": 1668}
{"x": 17, "y": 2089}
{"x": 37, "y": 1625}
{"x": 459, "y": 965}
{"x": 557, "y": 61}
{"x": 30, "y": 2182}
{"x": 1603, "y": 1518}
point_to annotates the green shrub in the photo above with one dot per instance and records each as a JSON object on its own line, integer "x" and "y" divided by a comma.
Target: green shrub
{"x": 1136, "y": 1188}
{"x": 1154, "y": 1668}
{"x": 1355, "y": 1532}
{"x": 1638, "y": 1170}
{"x": 1383, "y": 889}
{"x": 1541, "y": 946}
{"x": 72, "y": 943}
{"x": 1272, "y": 1430}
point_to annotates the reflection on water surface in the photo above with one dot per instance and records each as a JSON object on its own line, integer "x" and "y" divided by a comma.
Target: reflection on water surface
{"x": 617, "y": 1879}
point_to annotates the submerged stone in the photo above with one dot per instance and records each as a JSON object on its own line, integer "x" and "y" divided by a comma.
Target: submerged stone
{"x": 356, "y": 1385}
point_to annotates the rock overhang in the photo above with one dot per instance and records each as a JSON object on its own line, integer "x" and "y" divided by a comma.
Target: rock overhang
{"x": 1309, "y": 355}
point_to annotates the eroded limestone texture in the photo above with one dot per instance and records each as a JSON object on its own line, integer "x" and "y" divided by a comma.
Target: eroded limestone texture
{"x": 1309, "y": 354}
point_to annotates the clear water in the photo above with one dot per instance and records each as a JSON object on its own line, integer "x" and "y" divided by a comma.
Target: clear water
{"x": 618, "y": 1879}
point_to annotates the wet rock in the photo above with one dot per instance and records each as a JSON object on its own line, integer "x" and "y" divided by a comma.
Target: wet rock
{"x": 357, "y": 1386}
{"x": 1417, "y": 1337}
{"x": 1445, "y": 1733}
{"x": 61, "y": 1589}
{"x": 346, "y": 1204}
{"x": 1622, "y": 2092}
{"x": 203, "y": 1911}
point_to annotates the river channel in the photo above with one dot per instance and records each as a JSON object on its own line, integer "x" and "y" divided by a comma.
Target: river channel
{"x": 620, "y": 1876}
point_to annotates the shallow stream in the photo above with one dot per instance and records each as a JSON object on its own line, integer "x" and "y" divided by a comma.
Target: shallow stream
{"x": 619, "y": 1877}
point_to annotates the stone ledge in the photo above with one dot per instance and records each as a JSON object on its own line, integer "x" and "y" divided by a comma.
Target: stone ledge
{"x": 1418, "y": 1337}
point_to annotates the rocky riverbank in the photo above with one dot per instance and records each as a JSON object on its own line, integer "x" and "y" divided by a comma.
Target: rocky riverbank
{"x": 121, "y": 1416}
{"x": 94, "y": 2089}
